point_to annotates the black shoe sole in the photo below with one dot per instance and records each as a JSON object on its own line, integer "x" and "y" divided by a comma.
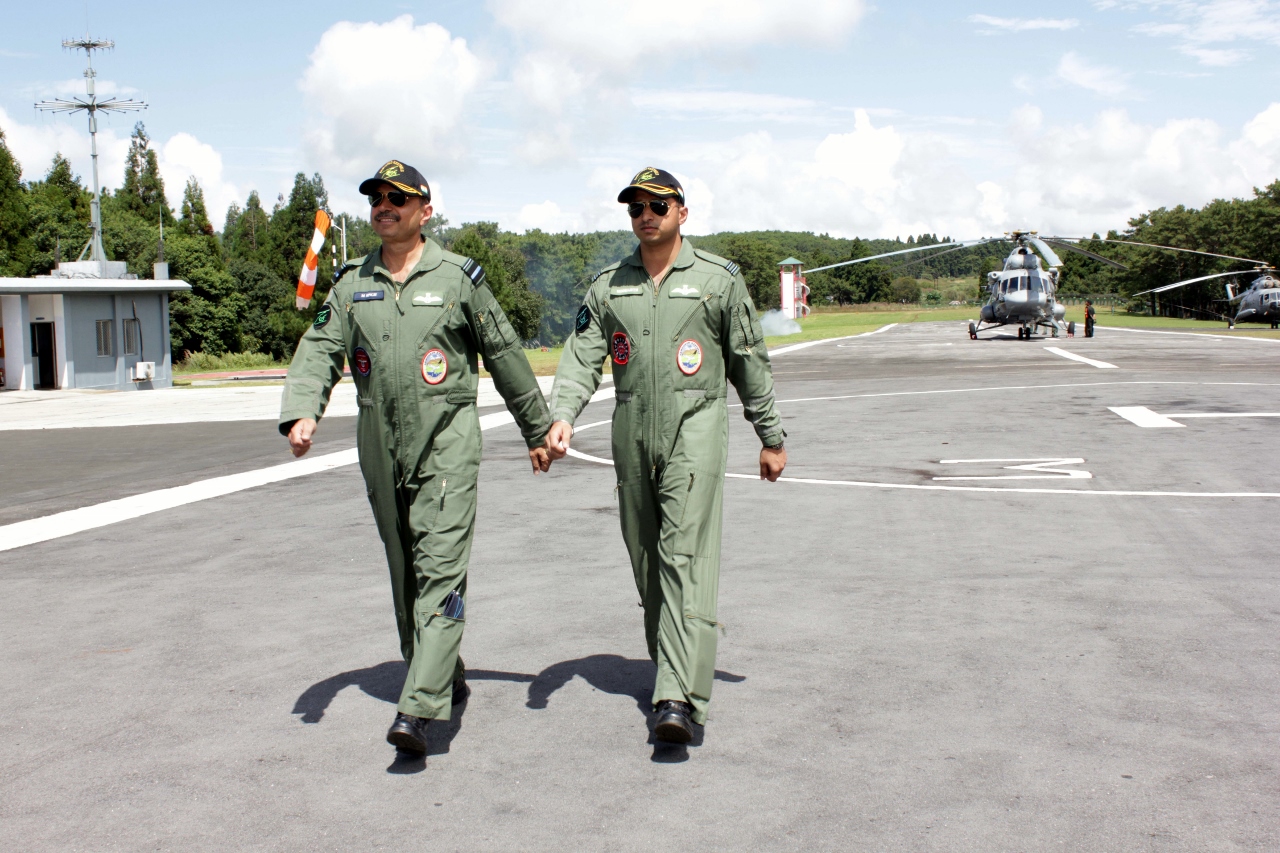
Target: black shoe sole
{"x": 406, "y": 742}
{"x": 672, "y": 731}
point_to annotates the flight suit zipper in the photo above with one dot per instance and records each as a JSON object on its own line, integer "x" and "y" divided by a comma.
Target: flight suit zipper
{"x": 688, "y": 318}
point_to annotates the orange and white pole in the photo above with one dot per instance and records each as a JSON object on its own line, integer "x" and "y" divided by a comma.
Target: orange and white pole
{"x": 307, "y": 279}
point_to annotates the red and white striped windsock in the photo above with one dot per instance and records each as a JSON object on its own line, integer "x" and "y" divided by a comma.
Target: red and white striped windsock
{"x": 307, "y": 279}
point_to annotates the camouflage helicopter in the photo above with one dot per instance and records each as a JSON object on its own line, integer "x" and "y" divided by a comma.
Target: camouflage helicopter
{"x": 1024, "y": 291}
{"x": 1259, "y": 302}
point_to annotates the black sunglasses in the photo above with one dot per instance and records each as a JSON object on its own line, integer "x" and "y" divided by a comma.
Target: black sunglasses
{"x": 636, "y": 208}
{"x": 396, "y": 198}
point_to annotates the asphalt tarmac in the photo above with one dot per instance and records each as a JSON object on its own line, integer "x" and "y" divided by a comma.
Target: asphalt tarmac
{"x": 1069, "y": 662}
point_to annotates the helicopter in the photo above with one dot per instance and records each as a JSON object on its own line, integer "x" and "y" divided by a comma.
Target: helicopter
{"x": 1024, "y": 291}
{"x": 1259, "y": 302}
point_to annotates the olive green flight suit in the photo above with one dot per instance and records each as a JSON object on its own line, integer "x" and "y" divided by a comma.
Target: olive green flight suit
{"x": 673, "y": 347}
{"x": 412, "y": 348}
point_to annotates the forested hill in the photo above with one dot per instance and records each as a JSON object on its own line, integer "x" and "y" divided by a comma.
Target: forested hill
{"x": 243, "y": 277}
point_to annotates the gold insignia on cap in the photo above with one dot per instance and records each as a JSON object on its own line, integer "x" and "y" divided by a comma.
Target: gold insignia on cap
{"x": 392, "y": 169}
{"x": 646, "y": 174}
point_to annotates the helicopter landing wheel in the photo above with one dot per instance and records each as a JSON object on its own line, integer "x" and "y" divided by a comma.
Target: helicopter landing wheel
{"x": 973, "y": 331}
{"x": 1020, "y": 331}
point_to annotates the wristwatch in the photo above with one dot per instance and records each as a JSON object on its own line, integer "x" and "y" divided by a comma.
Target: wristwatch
{"x": 777, "y": 446}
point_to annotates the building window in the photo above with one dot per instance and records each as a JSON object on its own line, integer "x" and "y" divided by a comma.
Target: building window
{"x": 131, "y": 336}
{"x": 105, "y": 333}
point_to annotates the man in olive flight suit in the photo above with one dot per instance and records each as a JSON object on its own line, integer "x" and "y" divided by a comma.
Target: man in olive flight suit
{"x": 677, "y": 322}
{"x": 411, "y": 319}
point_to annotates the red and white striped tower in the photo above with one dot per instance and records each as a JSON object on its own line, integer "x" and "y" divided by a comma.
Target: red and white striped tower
{"x": 795, "y": 292}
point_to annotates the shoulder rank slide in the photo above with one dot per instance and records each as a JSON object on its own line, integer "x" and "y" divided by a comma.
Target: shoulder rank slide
{"x": 733, "y": 268}
{"x": 344, "y": 269}
{"x": 473, "y": 271}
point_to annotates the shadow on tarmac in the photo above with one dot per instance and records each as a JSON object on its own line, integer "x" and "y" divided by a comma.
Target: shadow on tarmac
{"x": 608, "y": 673}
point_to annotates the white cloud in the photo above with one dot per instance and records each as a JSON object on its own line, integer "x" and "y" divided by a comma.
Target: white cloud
{"x": 1105, "y": 81}
{"x": 182, "y": 157}
{"x": 1066, "y": 178}
{"x": 613, "y": 34}
{"x": 718, "y": 105}
{"x": 579, "y": 54}
{"x": 1202, "y": 27}
{"x": 1017, "y": 25}
{"x": 380, "y": 91}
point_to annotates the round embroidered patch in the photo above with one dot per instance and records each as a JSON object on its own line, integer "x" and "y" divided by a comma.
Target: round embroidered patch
{"x": 435, "y": 367}
{"x": 621, "y": 348}
{"x": 362, "y": 363}
{"x": 689, "y": 357}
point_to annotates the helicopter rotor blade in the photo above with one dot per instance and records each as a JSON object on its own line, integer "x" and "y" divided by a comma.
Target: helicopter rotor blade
{"x": 1179, "y": 249}
{"x": 891, "y": 254}
{"x": 1185, "y": 282}
{"x": 1049, "y": 255}
{"x": 1086, "y": 253}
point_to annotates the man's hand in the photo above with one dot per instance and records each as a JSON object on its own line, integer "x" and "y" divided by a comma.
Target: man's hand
{"x": 772, "y": 461}
{"x": 300, "y": 436}
{"x": 558, "y": 438}
{"x": 540, "y": 458}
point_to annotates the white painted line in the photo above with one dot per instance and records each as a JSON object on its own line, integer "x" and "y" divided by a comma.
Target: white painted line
{"x": 124, "y": 509}
{"x": 794, "y": 347}
{"x": 1039, "y": 465}
{"x": 1095, "y": 363}
{"x": 1144, "y": 417}
{"x": 1181, "y": 415}
{"x": 1191, "y": 334}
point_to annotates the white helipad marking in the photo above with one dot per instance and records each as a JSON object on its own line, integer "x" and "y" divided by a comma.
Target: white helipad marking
{"x": 100, "y": 515}
{"x": 1144, "y": 417}
{"x": 1192, "y": 334}
{"x": 1040, "y": 465}
{"x": 784, "y": 350}
{"x": 1101, "y": 364}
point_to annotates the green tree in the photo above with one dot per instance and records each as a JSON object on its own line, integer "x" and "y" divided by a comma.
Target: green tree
{"x": 142, "y": 191}
{"x": 504, "y": 267}
{"x": 208, "y": 319}
{"x": 15, "y": 244}
{"x": 245, "y": 234}
{"x": 905, "y": 289}
{"x": 58, "y": 217}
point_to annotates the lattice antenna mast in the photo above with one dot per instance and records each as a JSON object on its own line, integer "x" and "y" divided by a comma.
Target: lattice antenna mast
{"x": 91, "y": 105}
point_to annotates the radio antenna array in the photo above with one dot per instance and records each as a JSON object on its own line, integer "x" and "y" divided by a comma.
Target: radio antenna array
{"x": 92, "y": 105}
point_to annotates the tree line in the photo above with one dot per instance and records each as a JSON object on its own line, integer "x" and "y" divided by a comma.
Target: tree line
{"x": 243, "y": 276}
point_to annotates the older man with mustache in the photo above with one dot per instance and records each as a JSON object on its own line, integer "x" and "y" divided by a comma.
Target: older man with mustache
{"x": 411, "y": 320}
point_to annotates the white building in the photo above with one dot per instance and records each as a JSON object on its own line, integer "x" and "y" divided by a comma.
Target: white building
{"x": 69, "y": 330}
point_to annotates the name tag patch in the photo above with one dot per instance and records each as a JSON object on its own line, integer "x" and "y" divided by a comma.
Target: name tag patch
{"x": 427, "y": 299}
{"x": 367, "y": 296}
{"x": 685, "y": 291}
{"x": 435, "y": 367}
{"x": 632, "y": 290}
{"x": 362, "y": 362}
{"x": 621, "y": 348}
{"x": 689, "y": 357}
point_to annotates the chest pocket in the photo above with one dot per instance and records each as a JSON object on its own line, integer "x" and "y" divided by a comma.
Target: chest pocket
{"x": 700, "y": 309}
{"x": 430, "y": 319}
{"x": 627, "y": 307}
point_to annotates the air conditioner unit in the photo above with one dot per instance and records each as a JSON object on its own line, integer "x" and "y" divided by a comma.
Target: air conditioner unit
{"x": 143, "y": 371}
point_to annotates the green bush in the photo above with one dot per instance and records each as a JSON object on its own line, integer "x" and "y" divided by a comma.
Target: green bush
{"x": 203, "y": 362}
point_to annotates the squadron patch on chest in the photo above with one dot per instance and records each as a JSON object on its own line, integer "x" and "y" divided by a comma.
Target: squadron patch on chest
{"x": 583, "y": 321}
{"x": 435, "y": 367}
{"x": 368, "y": 296}
{"x": 621, "y": 348}
{"x": 362, "y": 362}
{"x": 689, "y": 357}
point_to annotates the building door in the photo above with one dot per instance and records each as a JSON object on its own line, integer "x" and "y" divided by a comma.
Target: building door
{"x": 46, "y": 363}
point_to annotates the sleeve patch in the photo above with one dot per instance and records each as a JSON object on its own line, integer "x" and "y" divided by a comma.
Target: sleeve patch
{"x": 473, "y": 271}
{"x": 583, "y": 321}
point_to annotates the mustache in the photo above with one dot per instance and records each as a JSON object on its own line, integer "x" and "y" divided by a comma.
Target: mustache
{"x": 387, "y": 216}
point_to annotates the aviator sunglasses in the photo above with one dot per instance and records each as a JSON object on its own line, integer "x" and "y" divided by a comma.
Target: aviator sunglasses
{"x": 396, "y": 198}
{"x": 636, "y": 208}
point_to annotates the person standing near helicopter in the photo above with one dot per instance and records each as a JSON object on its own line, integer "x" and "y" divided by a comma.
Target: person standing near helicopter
{"x": 1088, "y": 318}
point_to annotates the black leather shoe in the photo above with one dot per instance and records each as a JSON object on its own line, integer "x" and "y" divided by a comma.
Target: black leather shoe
{"x": 674, "y": 724}
{"x": 409, "y": 733}
{"x": 460, "y": 690}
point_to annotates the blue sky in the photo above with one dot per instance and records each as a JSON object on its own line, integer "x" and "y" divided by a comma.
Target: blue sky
{"x": 844, "y": 117}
